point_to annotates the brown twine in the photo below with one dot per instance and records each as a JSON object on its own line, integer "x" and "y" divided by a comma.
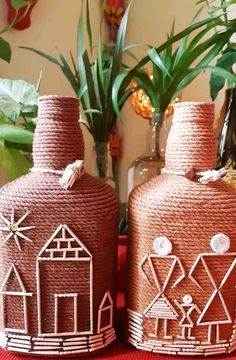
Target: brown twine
{"x": 191, "y": 144}
{"x": 90, "y": 209}
{"x": 189, "y": 214}
{"x": 58, "y": 140}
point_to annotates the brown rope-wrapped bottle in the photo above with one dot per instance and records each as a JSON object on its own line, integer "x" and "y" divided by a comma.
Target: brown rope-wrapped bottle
{"x": 182, "y": 247}
{"x": 58, "y": 245}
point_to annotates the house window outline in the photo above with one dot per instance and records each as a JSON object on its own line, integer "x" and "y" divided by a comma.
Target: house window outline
{"x": 23, "y": 293}
{"x": 89, "y": 258}
{"x": 102, "y": 309}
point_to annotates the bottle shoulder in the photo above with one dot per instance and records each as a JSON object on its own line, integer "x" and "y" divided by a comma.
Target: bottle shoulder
{"x": 40, "y": 187}
{"x": 164, "y": 189}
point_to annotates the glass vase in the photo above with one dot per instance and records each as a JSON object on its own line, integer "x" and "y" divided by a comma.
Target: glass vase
{"x": 102, "y": 163}
{"x": 227, "y": 142}
{"x": 151, "y": 162}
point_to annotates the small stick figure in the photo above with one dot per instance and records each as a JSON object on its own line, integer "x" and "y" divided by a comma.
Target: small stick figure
{"x": 186, "y": 323}
{"x": 161, "y": 308}
{"x": 220, "y": 244}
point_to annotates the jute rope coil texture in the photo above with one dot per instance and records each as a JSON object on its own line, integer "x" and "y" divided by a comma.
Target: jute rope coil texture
{"x": 89, "y": 209}
{"x": 189, "y": 214}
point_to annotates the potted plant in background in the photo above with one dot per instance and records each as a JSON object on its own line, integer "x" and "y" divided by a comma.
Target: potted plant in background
{"x": 18, "y": 115}
{"x": 18, "y": 106}
{"x": 173, "y": 68}
{"x": 92, "y": 77}
{"x": 226, "y": 123}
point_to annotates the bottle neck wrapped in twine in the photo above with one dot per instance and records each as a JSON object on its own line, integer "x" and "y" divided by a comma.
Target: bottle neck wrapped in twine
{"x": 191, "y": 146}
{"x": 58, "y": 142}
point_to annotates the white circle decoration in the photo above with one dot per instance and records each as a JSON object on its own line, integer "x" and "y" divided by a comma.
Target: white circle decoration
{"x": 220, "y": 243}
{"x": 162, "y": 245}
{"x": 187, "y": 299}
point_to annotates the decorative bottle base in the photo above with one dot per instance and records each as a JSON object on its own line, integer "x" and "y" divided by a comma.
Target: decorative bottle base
{"x": 58, "y": 345}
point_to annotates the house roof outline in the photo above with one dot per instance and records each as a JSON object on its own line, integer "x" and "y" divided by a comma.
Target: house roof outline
{"x": 64, "y": 228}
{"x": 107, "y": 296}
{"x": 11, "y": 270}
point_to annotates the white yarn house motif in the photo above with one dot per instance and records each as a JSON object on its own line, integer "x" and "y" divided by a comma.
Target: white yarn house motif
{"x": 105, "y": 313}
{"x": 13, "y": 290}
{"x": 64, "y": 249}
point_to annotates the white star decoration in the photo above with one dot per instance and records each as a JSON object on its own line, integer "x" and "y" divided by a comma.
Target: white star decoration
{"x": 14, "y": 230}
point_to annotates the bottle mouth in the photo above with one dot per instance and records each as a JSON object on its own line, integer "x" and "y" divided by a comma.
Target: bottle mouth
{"x": 193, "y": 111}
{"x": 194, "y": 104}
{"x": 60, "y": 99}
{"x": 58, "y": 107}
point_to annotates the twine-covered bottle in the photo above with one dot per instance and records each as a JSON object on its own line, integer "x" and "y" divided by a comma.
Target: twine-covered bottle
{"x": 58, "y": 245}
{"x": 182, "y": 247}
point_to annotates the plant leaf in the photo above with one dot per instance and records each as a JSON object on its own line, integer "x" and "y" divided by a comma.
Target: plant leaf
{"x": 119, "y": 45}
{"x": 17, "y": 96}
{"x": 222, "y": 73}
{"x": 100, "y": 46}
{"x": 226, "y": 61}
{"x": 18, "y": 4}
{"x": 156, "y": 59}
{"x": 89, "y": 31}
{"x": 82, "y": 90}
{"x": 144, "y": 81}
{"x": 122, "y": 79}
{"x": 116, "y": 64}
{"x": 71, "y": 77}
{"x": 190, "y": 55}
{"x": 92, "y": 111}
{"x": 24, "y": 148}
{"x": 5, "y": 50}
{"x": 15, "y": 134}
{"x": 188, "y": 30}
{"x": 89, "y": 81}
{"x": 80, "y": 61}
{"x": 16, "y": 164}
{"x": 98, "y": 87}
{"x": 46, "y": 56}
{"x": 75, "y": 68}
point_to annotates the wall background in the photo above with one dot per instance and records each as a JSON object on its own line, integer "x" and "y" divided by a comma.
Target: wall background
{"x": 54, "y": 24}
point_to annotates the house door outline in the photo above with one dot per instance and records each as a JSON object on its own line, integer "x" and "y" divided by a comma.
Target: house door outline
{"x": 57, "y": 313}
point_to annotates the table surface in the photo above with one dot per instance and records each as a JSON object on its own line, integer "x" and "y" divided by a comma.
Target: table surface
{"x": 119, "y": 350}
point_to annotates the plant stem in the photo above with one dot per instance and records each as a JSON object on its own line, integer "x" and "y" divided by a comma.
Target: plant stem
{"x": 15, "y": 20}
{"x": 225, "y": 13}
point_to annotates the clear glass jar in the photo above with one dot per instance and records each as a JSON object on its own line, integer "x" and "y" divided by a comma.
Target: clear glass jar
{"x": 151, "y": 162}
{"x": 101, "y": 165}
{"x": 227, "y": 143}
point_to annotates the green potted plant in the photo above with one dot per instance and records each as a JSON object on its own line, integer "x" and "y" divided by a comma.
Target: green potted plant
{"x": 92, "y": 77}
{"x": 18, "y": 114}
{"x": 226, "y": 123}
{"x": 227, "y": 56}
{"x": 173, "y": 68}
